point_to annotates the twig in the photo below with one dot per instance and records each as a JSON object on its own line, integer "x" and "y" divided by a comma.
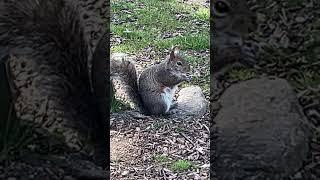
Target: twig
{"x": 187, "y": 139}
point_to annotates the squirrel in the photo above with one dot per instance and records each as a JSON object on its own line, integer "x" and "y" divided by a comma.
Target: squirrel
{"x": 55, "y": 52}
{"x": 154, "y": 90}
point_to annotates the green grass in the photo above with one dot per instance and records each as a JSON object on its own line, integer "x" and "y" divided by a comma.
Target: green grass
{"x": 143, "y": 23}
{"x": 179, "y": 129}
{"x": 162, "y": 159}
{"x": 118, "y": 106}
{"x": 203, "y": 14}
{"x": 194, "y": 42}
{"x": 181, "y": 165}
{"x": 176, "y": 166}
{"x": 242, "y": 74}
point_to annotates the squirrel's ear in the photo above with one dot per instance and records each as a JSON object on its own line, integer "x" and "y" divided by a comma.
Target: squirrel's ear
{"x": 175, "y": 51}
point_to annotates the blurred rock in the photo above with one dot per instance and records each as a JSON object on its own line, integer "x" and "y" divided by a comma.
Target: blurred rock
{"x": 262, "y": 131}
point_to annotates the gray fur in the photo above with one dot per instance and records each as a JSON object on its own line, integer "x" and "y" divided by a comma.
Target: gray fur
{"x": 52, "y": 46}
{"x": 147, "y": 95}
{"x": 156, "y": 78}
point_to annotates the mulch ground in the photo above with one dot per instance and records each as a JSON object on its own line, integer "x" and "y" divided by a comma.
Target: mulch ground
{"x": 146, "y": 147}
{"x": 288, "y": 37}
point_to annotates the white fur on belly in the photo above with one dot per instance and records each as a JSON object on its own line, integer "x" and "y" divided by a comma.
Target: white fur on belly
{"x": 168, "y": 95}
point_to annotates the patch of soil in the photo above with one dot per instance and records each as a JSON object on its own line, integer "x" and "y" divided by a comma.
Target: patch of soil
{"x": 149, "y": 137}
{"x": 125, "y": 147}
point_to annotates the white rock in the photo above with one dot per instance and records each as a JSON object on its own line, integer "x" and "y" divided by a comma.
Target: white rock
{"x": 191, "y": 102}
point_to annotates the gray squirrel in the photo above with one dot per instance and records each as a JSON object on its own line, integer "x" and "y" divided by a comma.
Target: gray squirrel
{"x": 153, "y": 92}
{"x": 53, "y": 53}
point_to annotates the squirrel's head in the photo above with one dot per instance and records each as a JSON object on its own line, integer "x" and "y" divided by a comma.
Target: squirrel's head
{"x": 232, "y": 21}
{"x": 177, "y": 65}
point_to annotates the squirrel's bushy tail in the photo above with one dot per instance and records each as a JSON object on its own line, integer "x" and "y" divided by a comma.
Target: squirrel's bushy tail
{"x": 49, "y": 45}
{"x": 125, "y": 80}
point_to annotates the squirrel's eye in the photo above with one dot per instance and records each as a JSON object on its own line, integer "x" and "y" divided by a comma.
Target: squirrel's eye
{"x": 221, "y": 7}
{"x": 179, "y": 63}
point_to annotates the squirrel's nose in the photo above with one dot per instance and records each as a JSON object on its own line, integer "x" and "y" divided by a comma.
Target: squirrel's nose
{"x": 188, "y": 77}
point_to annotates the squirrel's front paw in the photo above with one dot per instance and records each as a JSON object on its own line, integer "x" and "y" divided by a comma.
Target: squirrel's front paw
{"x": 172, "y": 111}
{"x": 187, "y": 77}
{"x": 174, "y": 104}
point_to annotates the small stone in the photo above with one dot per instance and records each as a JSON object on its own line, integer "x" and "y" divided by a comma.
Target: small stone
{"x": 124, "y": 173}
{"x": 165, "y": 149}
{"x": 298, "y": 175}
{"x": 200, "y": 150}
{"x": 300, "y": 19}
{"x": 205, "y": 166}
{"x": 180, "y": 140}
{"x": 194, "y": 176}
